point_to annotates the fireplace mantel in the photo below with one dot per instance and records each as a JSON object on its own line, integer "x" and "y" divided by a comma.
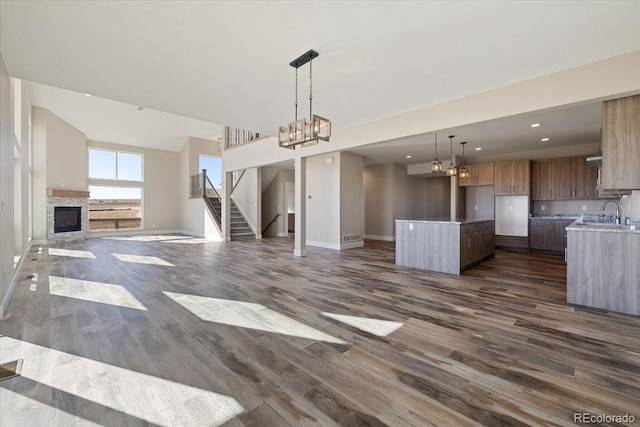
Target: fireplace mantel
{"x": 72, "y": 194}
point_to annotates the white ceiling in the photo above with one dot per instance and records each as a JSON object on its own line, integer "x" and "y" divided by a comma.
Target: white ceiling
{"x": 227, "y": 62}
{"x": 112, "y": 121}
{"x": 565, "y": 127}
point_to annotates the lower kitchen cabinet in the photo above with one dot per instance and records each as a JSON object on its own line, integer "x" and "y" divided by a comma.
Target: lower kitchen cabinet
{"x": 548, "y": 234}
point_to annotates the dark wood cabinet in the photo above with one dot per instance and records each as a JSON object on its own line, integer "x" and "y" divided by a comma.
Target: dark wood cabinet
{"x": 541, "y": 179}
{"x": 540, "y": 234}
{"x": 548, "y": 234}
{"x": 559, "y": 234}
{"x": 585, "y": 180}
{"x": 621, "y": 143}
{"x": 563, "y": 179}
{"x": 480, "y": 174}
{"x": 512, "y": 178}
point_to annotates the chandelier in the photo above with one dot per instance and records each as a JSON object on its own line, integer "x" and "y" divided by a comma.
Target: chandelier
{"x": 304, "y": 132}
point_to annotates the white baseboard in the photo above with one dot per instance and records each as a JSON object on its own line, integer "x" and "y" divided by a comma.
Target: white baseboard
{"x": 375, "y": 237}
{"x": 14, "y": 280}
{"x": 282, "y": 234}
{"x": 38, "y": 242}
{"x": 335, "y": 246}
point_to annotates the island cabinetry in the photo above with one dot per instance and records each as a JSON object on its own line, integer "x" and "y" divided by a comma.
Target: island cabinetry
{"x": 444, "y": 246}
{"x": 480, "y": 174}
{"x": 512, "y": 177}
{"x": 477, "y": 242}
{"x": 621, "y": 143}
{"x": 603, "y": 270}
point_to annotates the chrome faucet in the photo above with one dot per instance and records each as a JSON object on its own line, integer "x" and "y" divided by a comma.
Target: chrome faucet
{"x": 604, "y": 205}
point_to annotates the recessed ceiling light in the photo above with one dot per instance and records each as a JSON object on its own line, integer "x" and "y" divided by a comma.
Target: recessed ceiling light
{"x": 545, "y": 139}
{"x": 478, "y": 148}
{"x": 535, "y": 125}
{"x": 408, "y": 157}
{"x": 87, "y": 94}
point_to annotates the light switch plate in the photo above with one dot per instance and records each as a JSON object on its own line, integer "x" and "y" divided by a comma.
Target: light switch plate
{"x": 543, "y": 207}
{"x": 410, "y": 226}
{"x": 584, "y": 207}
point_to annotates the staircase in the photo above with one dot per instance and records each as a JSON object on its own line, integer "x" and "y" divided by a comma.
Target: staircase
{"x": 240, "y": 229}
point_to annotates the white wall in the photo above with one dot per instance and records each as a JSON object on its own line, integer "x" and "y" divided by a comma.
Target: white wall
{"x": 610, "y": 78}
{"x": 59, "y": 161}
{"x": 351, "y": 198}
{"x": 194, "y": 218}
{"x": 323, "y": 201}
{"x": 482, "y": 198}
{"x": 378, "y": 199}
{"x": 66, "y": 155}
{"x": 391, "y": 194}
{"x": 7, "y": 143}
{"x": 274, "y": 201}
{"x": 15, "y": 155}
{"x": 246, "y": 197}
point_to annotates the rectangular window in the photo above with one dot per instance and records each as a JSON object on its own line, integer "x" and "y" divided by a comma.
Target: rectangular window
{"x": 213, "y": 165}
{"x": 115, "y": 165}
{"x": 115, "y": 208}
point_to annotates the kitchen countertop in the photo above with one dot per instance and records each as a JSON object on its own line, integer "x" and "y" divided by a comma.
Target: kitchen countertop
{"x": 447, "y": 220}
{"x": 554, "y": 216}
{"x": 587, "y": 223}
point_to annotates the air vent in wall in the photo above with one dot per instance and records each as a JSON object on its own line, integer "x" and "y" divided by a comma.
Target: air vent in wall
{"x": 351, "y": 238}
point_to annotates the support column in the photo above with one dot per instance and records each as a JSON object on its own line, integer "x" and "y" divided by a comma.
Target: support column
{"x": 227, "y": 185}
{"x": 300, "y": 248}
{"x": 454, "y": 193}
{"x": 259, "y": 203}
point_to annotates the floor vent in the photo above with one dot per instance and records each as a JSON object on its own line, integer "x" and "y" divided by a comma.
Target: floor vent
{"x": 10, "y": 369}
{"x": 351, "y": 238}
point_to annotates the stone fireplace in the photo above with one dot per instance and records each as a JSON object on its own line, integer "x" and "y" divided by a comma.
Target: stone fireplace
{"x": 67, "y": 214}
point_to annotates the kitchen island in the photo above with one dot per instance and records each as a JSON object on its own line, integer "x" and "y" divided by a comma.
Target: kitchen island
{"x": 444, "y": 245}
{"x": 603, "y": 266}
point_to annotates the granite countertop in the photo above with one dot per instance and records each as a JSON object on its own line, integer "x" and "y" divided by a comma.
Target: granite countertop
{"x": 447, "y": 220}
{"x": 596, "y": 223}
{"x": 554, "y": 216}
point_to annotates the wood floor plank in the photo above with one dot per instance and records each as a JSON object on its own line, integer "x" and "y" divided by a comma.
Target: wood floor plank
{"x": 497, "y": 345}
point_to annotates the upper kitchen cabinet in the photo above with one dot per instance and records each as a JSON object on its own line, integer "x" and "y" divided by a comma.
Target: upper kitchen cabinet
{"x": 621, "y": 143}
{"x": 563, "y": 179}
{"x": 481, "y": 174}
{"x": 512, "y": 178}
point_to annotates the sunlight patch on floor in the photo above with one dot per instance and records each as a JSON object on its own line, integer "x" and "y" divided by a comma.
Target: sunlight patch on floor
{"x": 378, "y": 327}
{"x": 152, "y": 238}
{"x": 248, "y": 315}
{"x": 143, "y": 259}
{"x": 191, "y": 240}
{"x": 104, "y": 293}
{"x": 89, "y": 384}
{"x": 71, "y": 253}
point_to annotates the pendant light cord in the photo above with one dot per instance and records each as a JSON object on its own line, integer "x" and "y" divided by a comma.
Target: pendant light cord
{"x": 310, "y": 89}
{"x": 296, "y": 95}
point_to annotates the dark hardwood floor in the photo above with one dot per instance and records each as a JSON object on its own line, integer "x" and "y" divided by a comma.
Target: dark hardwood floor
{"x": 113, "y": 338}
